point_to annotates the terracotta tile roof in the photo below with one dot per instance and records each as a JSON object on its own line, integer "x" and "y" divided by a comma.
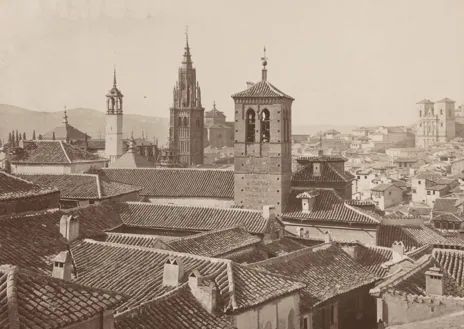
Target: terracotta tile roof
{"x": 138, "y": 272}
{"x": 436, "y": 187}
{"x": 54, "y": 152}
{"x": 452, "y": 261}
{"x": 445, "y": 100}
{"x": 328, "y": 174}
{"x": 447, "y": 218}
{"x": 13, "y": 187}
{"x": 382, "y": 187}
{"x": 282, "y": 246}
{"x": 417, "y": 253}
{"x": 322, "y": 158}
{"x": 445, "y": 205}
{"x": 81, "y": 186}
{"x": 448, "y": 321}
{"x": 65, "y": 131}
{"x": 140, "y": 240}
{"x": 176, "y": 182}
{"x": 31, "y": 301}
{"x": 248, "y": 255}
{"x": 411, "y": 281}
{"x": 215, "y": 243}
{"x": 326, "y": 269}
{"x": 43, "y": 229}
{"x": 425, "y": 101}
{"x": 328, "y": 207}
{"x": 131, "y": 159}
{"x": 177, "y": 309}
{"x": 372, "y": 258}
{"x": 261, "y": 89}
{"x": 188, "y": 218}
{"x": 412, "y": 236}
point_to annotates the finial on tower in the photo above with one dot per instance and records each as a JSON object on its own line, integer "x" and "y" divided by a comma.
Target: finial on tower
{"x": 264, "y": 71}
{"x": 65, "y": 118}
{"x": 114, "y": 76}
{"x": 187, "y": 34}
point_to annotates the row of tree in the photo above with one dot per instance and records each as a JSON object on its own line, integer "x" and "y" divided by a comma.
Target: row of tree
{"x": 14, "y": 137}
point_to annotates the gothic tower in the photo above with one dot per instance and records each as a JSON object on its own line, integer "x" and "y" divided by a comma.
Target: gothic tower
{"x": 113, "y": 136}
{"x": 263, "y": 162}
{"x": 187, "y": 115}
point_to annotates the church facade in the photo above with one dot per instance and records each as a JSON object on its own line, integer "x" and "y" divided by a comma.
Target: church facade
{"x": 187, "y": 115}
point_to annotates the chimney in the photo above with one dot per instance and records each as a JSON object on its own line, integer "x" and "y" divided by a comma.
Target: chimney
{"x": 69, "y": 227}
{"x": 308, "y": 200}
{"x": 397, "y": 251}
{"x": 269, "y": 212}
{"x": 300, "y": 232}
{"x": 320, "y": 152}
{"x": 327, "y": 237}
{"x": 204, "y": 291}
{"x": 173, "y": 272}
{"x": 62, "y": 266}
{"x": 250, "y": 84}
{"x": 434, "y": 284}
{"x": 316, "y": 169}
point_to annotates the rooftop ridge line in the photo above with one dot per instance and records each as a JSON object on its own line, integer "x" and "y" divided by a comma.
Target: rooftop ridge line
{"x": 12, "y": 296}
{"x": 65, "y": 153}
{"x": 187, "y": 206}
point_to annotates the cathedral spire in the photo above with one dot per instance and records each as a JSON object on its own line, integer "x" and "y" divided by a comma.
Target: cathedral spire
{"x": 187, "y": 57}
{"x": 114, "y": 77}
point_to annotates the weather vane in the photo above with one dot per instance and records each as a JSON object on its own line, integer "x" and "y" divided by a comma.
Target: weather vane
{"x": 264, "y": 58}
{"x": 186, "y": 31}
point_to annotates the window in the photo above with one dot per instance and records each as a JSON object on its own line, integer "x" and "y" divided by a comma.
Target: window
{"x": 414, "y": 190}
{"x": 419, "y": 182}
{"x": 180, "y": 121}
{"x": 305, "y": 323}
{"x": 436, "y": 224}
{"x": 365, "y": 177}
{"x": 420, "y": 113}
{"x": 389, "y": 193}
{"x": 265, "y": 126}
{"x": 428, "y": 192}
{"x": 441, "y": 112}
{"x": 291, "y": 319}
{"x": 433, "y": 192}
{"x": 250, "y": 126}
{"x": 359, "y": 177}
{"x": 441, "y": 124}
{"x": 332, "y": 314}
{"x": 185, "y": 121}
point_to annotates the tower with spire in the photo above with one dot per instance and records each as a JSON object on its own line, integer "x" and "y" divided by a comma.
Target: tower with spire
{"x": 114, "y": 122}
{"x": 262, "y": 147}
{"x": 187, "y": 114}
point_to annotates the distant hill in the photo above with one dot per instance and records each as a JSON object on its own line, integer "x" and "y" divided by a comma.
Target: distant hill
{"x": 88, "y": 121}
{"x": 313, "y": 129}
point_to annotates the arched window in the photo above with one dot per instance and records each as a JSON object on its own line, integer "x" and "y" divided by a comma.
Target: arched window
{"x": 420, "y": 113}
{"x": 265, "y": 126}
{"x": 441, "y": 111}
{"x": 250, "y": 126}
{"x": 185, "y": 121}
{"x": 180, "y": 121}
{"x": 291, "y": 319}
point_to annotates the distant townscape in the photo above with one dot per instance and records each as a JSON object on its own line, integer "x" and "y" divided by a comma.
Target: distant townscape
{"x": 233, "y": 224}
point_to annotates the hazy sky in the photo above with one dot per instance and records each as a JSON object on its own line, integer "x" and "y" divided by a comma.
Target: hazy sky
{"x": 344, "y": 61}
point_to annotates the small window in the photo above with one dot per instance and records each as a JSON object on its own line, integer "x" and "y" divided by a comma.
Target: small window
{"x": 359, "y": 177}
{"x": 419, "y": 182}
{"x": 441, "y": 124}
{"x": 420, "y": 113}
{"x": 428, "y": 192}
{"x": 414, "y": 190}
{"x": 332, "y": 314}
{"x": 433, "y": 192}
{"x": 389, "y": 193}
{"x": 365, "y": 177}
{"x": 305, "y": 322}
{"x": 441, "y": 112}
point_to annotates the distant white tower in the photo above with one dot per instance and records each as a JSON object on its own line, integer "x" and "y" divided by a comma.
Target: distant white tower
{"x": 114, "y": 121}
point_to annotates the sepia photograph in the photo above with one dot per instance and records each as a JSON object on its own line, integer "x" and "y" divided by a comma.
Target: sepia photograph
{"x": 218, "y": 164}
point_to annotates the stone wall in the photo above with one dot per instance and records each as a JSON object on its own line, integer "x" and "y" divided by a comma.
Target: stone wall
{"x": 33, "y": 203}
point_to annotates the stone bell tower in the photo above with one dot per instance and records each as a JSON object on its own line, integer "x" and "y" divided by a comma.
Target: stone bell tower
{"x": 262, "y": 148}
{"x": 114, "y": 122}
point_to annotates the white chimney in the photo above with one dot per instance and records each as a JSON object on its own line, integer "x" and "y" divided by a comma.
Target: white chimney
{"x": 316, "y": 169}
{"x": 397, "y": 251}
{"x": 327, "y": 237}
{"x": 308, "y": 200}
{"x": 204, "y": 291}
{"x": 434, "y": 283}
{"x": 62, "y": 266}
{"x": 269, "y": 212}
{"x": 173, "y": 272}
{"x": 69, "y": 227}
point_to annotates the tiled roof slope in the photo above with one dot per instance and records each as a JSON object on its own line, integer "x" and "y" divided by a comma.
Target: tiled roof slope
{"x": 446, "y": 205}
{"x": 172, "y": 182}
{"x": 12, "y": 187}
{"x": 452, "y": 261}
{"x": 32, "y": 240}
{"x": 411, "y": 281}
{"x": 215, "y": 243}
{"x": 262, "y": 89}
{"x": 32, "y": 301}
{"x": 448, "y": 321}
{"x": 282, "y": 246}
{"x": 329, "y": 207}
{"x": 66, "y": 131}
{"x": 174, "y": 217}
{"x": 328, "y": 174}
{"x": 372, "y": 258}
{"x": 326, "y": 269}
{"x": 54, "y": 152}
{"x": 178, "y": 309}
{"x": 82, "y": 186}
{"x": 140, "y": 240}
{"x": 131, "y": 159}
{"x": 138, "y": 272}
{"x": 412, "y": 236}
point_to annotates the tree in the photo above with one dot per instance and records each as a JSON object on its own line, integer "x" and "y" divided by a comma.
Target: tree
{"x": 9, "y": 139}
{"x": 33, "y": 135}
{"x": 17, "y": 137}
{"x": 24, "y": 136}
